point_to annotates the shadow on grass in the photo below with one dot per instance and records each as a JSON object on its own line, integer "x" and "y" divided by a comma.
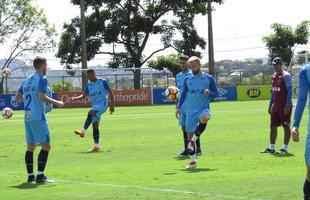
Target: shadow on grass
{"x": 197, "y": 170}
{"x": 169, "y": 173}
{"x": 86, "y": 152}
{"x": 283, "y": 155}
{"x": 27, "y": 186}
{"x": 182, "y": 158}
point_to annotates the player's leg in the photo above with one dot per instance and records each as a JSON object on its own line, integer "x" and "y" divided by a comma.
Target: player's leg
{"x": 275, "y": 121}
{"x": 87, "y": 123}
{"x": 286, "y": 121}
{"x": 42, "y": 136}
{"x": 182, "y": 123}
{"x": 29, "y": 152}
{"x": 29, "y": 162}
{"x": 191, "y": 125}
{"x": 306, "y": 188}
{"x": 95, "y": 122}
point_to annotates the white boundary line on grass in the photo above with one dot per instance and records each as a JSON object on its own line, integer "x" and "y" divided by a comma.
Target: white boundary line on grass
{"x": 135, "y": 115}
{"x": 162, "y": 190}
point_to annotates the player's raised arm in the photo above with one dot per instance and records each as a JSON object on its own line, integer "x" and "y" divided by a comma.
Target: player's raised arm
{"x": 42, "y": 94}
{"x": 82, "y": 96}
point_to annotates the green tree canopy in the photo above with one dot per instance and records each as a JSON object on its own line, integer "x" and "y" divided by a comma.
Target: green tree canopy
{"x": 130, "y": 24}
{"x": 170, "y": 62}
{"x": 24, "y": 29}
{"x": 281, "y": 42}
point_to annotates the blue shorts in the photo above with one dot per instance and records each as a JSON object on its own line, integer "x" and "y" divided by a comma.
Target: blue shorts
{"x": 37, "y": 132}
{"x": 193, "y": 118}
{"x": 182, "y": 118}
{"x": 97, "y": 117}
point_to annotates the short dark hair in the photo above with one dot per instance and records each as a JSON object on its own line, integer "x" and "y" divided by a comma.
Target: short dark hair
{"x": 38, "y": 62}
{"x": 184, "y": 57}
{"x": 90, "y": 71}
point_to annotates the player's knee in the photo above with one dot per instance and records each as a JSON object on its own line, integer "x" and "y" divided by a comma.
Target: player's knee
{"x": 308, "y": 173}
{"x": 46, "y": 146}
{"x": 31, "y": 147}
{"x": 91, "y": 112}
{"x": 204, "y": 118}
{"x": 95, "y": 125}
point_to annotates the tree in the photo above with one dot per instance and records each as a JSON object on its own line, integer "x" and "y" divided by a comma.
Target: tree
{"x": 170, "y": 62}
{"x": 24, "y": 28}
{"x": 281, "y": 42}
{"x": 130, "y": 24}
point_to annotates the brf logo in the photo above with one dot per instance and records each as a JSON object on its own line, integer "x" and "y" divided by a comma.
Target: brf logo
{"x": 253, "y": 92}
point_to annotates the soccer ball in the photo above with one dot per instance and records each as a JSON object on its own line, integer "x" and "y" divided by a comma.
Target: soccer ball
{"x": 6, "y": 72}
{"x": 172, "y": 93}
{"x": 7, "y": 113}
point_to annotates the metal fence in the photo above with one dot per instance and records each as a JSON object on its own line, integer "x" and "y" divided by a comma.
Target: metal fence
{"x": 61, "y": 80}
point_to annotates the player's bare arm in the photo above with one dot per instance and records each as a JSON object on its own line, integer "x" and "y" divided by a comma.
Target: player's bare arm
{"x": 82, "y": 96}
{"x": 19, "y": 97}
{"x": 47, "y": 99}
{"x": 111, "y": 96}
{"x": 295, "y": 134}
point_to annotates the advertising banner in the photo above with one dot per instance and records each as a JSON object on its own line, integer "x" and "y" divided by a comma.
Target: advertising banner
{"x": 8, "y": 100}
{"x": 226, "y": 94}
{"x": 246, "y": 93}
{"x": 121, "y": 98}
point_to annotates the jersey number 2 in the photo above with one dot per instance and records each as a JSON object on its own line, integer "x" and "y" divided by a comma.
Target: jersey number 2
{"x": 28, "y": 100}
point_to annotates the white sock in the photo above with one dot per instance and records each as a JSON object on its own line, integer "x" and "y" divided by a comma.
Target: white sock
{"x": 83, "y": 130}
{"x": 40, "y": 173}
{"x": 97, "y": 145}
{"x": 285, "y": 146}
{"x": 195, "y": 138}
{"x": 30, "y": 174}
{"x": 193, "y": 158}
{"x": 271, "y": 146}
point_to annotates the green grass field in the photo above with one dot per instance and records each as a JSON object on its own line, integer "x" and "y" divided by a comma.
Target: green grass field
{"x": 139, "y": 159}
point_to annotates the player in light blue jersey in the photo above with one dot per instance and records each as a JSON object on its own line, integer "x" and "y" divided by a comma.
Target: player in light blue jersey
{"x": 198, "y": 90}
{"x": 181, "y": 114}
{"x": 33, "y": 92}
{"x": 98, "y": 90}
{"x": 303, "y": 92}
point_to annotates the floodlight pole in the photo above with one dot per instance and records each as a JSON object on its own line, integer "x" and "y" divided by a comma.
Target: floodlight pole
{"x": 210, "y": 40}
{"x": 83, "y": 43}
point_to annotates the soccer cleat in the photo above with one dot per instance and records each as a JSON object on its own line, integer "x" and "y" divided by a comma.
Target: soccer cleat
{"x": 80, "y": 133}
{"x": 282, "y": 152}
{"x": 198, "y": 153}
{"x": 184, "y": 153}
{"x": 267, "y": 150}
{"x": 31, "y": 178}
{"x": 191, "y": 165}
{"x": 94, "y": 149}
{"x": 43, "y": 179}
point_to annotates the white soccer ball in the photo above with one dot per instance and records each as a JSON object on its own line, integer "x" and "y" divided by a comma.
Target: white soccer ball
{"x": 7, "y": 113}
{"x": 172, "y": 93}
{"x": 6, "y": 72}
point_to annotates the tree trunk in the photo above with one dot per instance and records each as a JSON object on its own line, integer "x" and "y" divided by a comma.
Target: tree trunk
{"x": 83, "y": 43}
{"x": 210, "y": 39}
{"x": 137, "y": 79}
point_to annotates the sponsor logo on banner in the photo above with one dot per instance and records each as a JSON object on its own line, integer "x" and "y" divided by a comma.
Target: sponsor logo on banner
{"x": 15, "y": 103}
{"x": 132, "y": 97}
{"x": 253, "y": 92}
{"x": 121, "y": 98}
{"x": 2, "y": 102}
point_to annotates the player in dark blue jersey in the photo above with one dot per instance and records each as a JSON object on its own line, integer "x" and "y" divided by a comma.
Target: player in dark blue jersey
{"x": 198, "y": 90}
{"x": 303, "y": 93}
{"x": 98, "y": 90}
{"x": 33, "y": 92}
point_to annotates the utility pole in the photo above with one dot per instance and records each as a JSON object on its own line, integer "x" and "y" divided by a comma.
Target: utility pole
{"x": 210, "y": 40}
{"x": 83, "y": 43}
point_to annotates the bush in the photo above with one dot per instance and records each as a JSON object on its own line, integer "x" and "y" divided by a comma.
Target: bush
{"x": 62, "y": 86}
